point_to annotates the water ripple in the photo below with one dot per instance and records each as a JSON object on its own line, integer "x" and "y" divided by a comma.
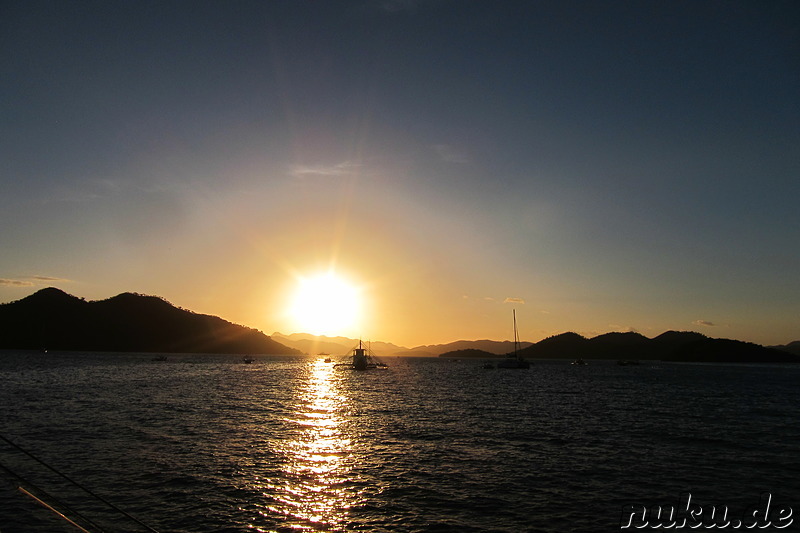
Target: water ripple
{"x": 202, "y": 443}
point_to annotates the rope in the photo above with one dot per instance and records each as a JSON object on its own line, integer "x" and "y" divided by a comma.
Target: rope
{"x": 50, "y": 507}
{"x": 86, "y": 490}
{"x": 31, "y": 488}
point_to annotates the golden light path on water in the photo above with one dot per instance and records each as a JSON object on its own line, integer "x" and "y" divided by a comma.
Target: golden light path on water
{"x": 314, "y": 492}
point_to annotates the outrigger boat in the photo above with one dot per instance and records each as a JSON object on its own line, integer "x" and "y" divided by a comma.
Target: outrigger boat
{"x": 362, "y": 359}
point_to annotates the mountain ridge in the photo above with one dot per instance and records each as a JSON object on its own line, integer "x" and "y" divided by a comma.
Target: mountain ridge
{"x": 682, "y": 346}
{"x": 128, "y": 322}
{"x": 312, "y": 344}
{"x": 53, "y": 319}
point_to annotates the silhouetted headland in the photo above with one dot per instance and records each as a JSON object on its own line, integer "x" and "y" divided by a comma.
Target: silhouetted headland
{"x": 54, "y": 320}
{"x": 792, "y": 347}
{"x": 683, "y": 346}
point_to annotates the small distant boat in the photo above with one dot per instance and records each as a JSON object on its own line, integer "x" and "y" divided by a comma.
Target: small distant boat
{"x": 513, "y": 360}
{"x": 328, "y": 360}
{"x": 159, "y": 358}
{"x": 362, "y": 359}
{"x": 488, "y": 366}
{"x": 247, "y": 359}
{"x": 578, "y": 362}
{"x": 627, "y": 362}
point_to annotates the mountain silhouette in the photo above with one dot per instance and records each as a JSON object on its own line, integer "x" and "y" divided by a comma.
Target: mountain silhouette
{"x": 792, "y": 347}
{"x": 469, "y": 353}
{"x": 492, "y": 347}
{"x": 684, "y": 346}
{"x": 678, "y": 346}
{"x": 54, "y": 320}
{"x": 312, "y": 344}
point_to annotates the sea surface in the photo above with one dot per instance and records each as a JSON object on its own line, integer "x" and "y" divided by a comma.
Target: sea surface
{"x": 205, "y": 443}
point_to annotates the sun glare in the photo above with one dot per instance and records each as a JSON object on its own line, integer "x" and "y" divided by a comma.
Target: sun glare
{"x": 325, "y": 304}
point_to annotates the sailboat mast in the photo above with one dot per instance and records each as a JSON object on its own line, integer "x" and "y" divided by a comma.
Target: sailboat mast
{"x": 516, "y": 336}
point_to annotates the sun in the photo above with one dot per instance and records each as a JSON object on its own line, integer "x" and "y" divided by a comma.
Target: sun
{"x": 325, "y": 304}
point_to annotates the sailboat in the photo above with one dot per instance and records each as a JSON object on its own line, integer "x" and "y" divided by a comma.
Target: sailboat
{"x": 513, "y": 360}
{"x": 362, "y": 359}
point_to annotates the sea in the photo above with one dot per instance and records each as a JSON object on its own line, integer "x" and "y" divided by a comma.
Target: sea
{"x": 207, "y": 443}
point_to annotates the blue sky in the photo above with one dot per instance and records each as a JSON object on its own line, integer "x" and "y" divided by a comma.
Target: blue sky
{"x": 615, "y": 165}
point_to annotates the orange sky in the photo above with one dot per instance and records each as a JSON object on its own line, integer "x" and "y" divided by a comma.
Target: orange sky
{"x": 625, "y": 168}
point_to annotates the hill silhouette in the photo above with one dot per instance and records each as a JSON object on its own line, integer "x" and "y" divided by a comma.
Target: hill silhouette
{"x": 128, "y": 322}
{"x": 792, "y": 347}
{"x": 313, "y": 344}
{"x": 469, "y": 353}
{"x": 670, "y": 346}
{"x": 685, "y": 346}
{"x": 485, "y": 345}
{"x": 54, "y": 320}
{"x": 678, "y": 346}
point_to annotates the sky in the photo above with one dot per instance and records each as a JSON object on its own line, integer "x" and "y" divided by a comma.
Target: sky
{"x": 596, "y": 166}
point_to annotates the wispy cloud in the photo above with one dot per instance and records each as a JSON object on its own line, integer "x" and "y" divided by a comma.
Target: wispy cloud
{"x": 491, "y": 300}
{"x": 76, "y": 197}
{"x": 623, "y": 329}
{"x": 704, "y": 323}
{"x": 450, "y": 154}
{"x": 85, "y": 190}
{"x": 30, "y": 281}
{"x": 15, "y": 283}
{"x": 340, "y": 169}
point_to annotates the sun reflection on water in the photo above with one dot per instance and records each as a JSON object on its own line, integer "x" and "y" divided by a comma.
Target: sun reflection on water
{"x": 314, "y": 491}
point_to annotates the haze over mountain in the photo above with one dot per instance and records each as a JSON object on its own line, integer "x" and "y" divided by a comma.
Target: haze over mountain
{"x": 313, "y": 344}
{"x": 792, "y": 347}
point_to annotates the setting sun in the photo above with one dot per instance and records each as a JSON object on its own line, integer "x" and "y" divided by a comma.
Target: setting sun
{"x": 325, "y": 304}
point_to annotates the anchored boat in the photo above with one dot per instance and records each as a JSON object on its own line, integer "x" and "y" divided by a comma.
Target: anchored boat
{"x": 361, "y": 359}
{"x": 513, "y": 360}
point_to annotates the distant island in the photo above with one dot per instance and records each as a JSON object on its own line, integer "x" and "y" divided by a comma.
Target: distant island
{"x": 51, "y": 319}
{"x": 683, "y": 346}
